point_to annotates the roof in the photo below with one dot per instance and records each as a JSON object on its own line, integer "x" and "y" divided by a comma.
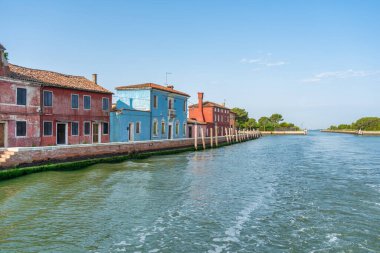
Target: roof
{"x": 2, "y": 47}
{"x": 210, "y": 104}
{"x": 49, "y": 78}
{"x": 151, "y": 86}
{"x": 193, "y": 121}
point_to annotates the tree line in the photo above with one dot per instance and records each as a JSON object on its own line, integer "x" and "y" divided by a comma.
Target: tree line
{"x": 365, "y": 124}
{"x": 271, "y": 123}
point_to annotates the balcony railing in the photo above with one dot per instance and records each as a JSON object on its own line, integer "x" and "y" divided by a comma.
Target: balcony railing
{"x": 171, "y": 113}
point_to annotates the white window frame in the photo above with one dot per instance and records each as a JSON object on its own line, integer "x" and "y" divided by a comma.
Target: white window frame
{"x": 52, "y": 128}
{"x": 176, "y": 128}
{"x": 26, "y": 96}
{"x": 84, "y": 128}
{"x": 184, "y": 125}
{"x": 138, "y": 123}
{"x": 72, "y": 128}
{"x": 108, "y": 104}
{"x": 108, "y": 132}
{"x": 155, "y": 129}
{"x": 85, "y": 104}
{"x": 43, "y": 98}
{"x": 26, "y": 129}
{"x": 163, "y": 129}
{"x": 72, "y": 101}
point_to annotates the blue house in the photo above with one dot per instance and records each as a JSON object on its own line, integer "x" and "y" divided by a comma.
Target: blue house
{"x": 149, "y": 112}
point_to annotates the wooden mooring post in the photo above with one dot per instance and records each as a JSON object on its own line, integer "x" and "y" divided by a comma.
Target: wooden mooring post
{"x": 196, "y": 138}
{"x": 203, "y": 139}
{"x": 216, "y": 136}
{"x": 211, "y": 138}
{"x": 227, "y": 139}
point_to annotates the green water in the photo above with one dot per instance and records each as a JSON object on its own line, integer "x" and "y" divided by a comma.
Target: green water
{"x": 315, "y": 193}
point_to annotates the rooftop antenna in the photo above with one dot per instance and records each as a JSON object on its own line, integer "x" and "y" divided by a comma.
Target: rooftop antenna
{"x": 166, "y": 77}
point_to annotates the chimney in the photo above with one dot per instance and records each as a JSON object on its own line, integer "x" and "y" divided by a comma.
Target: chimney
{"x": 171, "y": 87}
{"x": 200, "y": 106}
{"x": 95, "y": 78}
{"x": 4, "y": 68}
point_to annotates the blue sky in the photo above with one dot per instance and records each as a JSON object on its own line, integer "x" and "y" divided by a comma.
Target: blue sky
{"x": 315, "y": 62}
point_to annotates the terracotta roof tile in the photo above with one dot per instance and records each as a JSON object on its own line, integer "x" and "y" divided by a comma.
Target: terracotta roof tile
{"x": 210, "y": 104}
{"x": 152, "y": 86}
{"x": 49, "y": 78}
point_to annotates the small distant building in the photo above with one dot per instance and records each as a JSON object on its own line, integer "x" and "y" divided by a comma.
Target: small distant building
{"x": 191, "y": 128}
{"x": 215, "y": 115}
{"x": 42, "y": 108}
{"x": 161, "y": 112}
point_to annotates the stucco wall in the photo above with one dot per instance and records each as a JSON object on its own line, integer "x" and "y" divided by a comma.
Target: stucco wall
{"x": 120, "y": 125}
{"x": 10, "y": 112}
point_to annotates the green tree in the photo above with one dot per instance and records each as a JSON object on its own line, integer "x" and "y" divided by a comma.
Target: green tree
{"x": 251, "y": 123}
{"x": 264, "y": 122}
{"x": 241, "y": 116}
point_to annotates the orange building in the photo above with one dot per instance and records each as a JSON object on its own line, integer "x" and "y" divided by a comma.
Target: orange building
{"x": 213, "y": 114}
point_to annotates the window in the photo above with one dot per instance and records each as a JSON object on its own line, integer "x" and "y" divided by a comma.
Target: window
{"x": 184, "y": 106}
{"x": 105, "y": 128}
{"x": 21, "y": 96}
{"x": 105, "y": 104}
{"x": 74, "y": 101}
{"x": 87, "y": 102}
{"x": 48, "y": 128}
{"x": 87, "y": 128}
{"x": 155, "y": 101}
{"x": 138, "y": 127}
{"x": 170, "y": 103}
{"x": 155, "y": 128}
{"x": 20, "y": 128}
{"x": 184, "y": 129}
{"x": 48, "y": 98}
{"x": 176, "y": 128}
{"x": 163, "y": 127}
{"x": 74, "y": 128}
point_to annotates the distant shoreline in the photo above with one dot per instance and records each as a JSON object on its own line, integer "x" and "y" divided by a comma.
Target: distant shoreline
{"x": 355, "y": 132}
{"x": 283, "y": 132}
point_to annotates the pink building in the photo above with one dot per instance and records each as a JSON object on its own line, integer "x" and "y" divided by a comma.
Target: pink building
{"x": 41, "y": 108}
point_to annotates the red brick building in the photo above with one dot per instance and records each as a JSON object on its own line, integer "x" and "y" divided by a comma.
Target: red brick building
{"x": 215, "y": 115}
{"x": 40, "y": 108}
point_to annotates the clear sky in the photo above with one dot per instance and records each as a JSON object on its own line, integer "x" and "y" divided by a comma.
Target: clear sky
{"x": 315, "y": 62}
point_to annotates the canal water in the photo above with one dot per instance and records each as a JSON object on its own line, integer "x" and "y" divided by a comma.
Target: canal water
{"x": 315, "y": 193}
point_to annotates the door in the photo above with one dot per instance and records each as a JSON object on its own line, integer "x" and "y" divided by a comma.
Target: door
{"x": 170, "y": 131}
{"x": 61, "y": 134}
{"x": 130, "y": 135}
{"x": 190, "y": 131}
{"x": 2, "y": 135}
{"x": 95, "y": 133}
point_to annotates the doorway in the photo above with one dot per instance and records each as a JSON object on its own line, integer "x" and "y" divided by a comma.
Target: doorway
{"x": 131, "y": 132}
{"x": 61, "y": 134}
{"x": 190, "y": 131}
{"x": 2, "y": 135}
{"x": 95, "y": 133}
{"x": 170, "y": 130}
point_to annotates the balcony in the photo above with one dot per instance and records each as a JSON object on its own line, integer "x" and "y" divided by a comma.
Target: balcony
{"x": 171, "y": 113}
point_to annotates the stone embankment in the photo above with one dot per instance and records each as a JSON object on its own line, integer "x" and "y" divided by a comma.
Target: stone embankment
{"x": 356, "y": 132}
{"x": 284, "y": 132}
{"x": 28, "y": 156}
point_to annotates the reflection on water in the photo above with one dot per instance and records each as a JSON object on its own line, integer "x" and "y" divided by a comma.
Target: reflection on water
{"x": 316, "y": 193}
